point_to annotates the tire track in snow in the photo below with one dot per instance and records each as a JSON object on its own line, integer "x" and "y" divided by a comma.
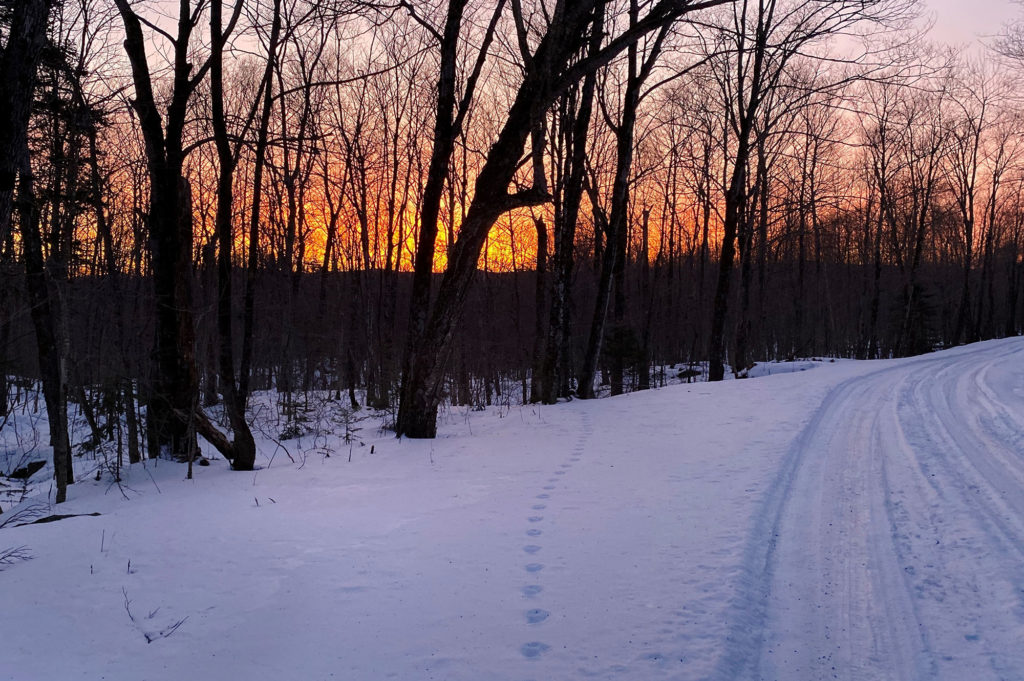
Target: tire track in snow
{"x": 839, "y": 606}
{"x": 971, "y": 568}
{"x": 889, "y": 544}
{"x": 536, "y": 616}
{"x": 748, "y": 610}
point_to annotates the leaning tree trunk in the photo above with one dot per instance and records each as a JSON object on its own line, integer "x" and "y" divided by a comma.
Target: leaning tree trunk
{"x": 427, "y": 353}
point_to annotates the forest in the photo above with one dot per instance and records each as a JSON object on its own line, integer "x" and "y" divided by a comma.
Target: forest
{"x": 407, "y": 204}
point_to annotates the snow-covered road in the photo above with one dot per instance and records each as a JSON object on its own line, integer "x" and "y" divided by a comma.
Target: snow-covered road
{"x": 896, "y": 531}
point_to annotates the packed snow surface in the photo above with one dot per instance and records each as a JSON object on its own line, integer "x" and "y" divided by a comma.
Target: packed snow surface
{"x": 864, "y": 520}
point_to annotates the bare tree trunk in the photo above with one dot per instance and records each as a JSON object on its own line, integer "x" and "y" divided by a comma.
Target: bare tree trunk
{"x": 242, "y": 452}
{"x": 18, "y": 66}
{"x": 741, "y": 360}
{"x": 734, "y": 198}
{"x": 620, "y": 330}
{"x": 613, "y": 262}
{"x": 962, "y": 330}
{"x": 174, "y": 381}
{"x": 588, "y": 373}
{"x": 873, "y": 349}
{"x": 575, "y": 128}
{"x": 18, "y": 63}
{"x": 417, "y": 410}
{"x": 536, "y": 382}
{"x": 47, "y": 338}
{"x": 643, "y": 368}
{"x": 259, "y": 164}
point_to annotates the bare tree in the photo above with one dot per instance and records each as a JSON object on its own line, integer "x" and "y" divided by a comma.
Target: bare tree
{"x": 569, "y": 140}
{"x": 242, "y": 451}
{"x": 545, "y": 76}
{"x": 18, "y": 67}
{"x": 639, "y": 68}
{"x": 763, "y": 39}
{"x": 968, "y": 130}
{"x": 173, "y": 401}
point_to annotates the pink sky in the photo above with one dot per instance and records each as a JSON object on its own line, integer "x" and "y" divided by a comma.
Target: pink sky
{"x": 962, "y": 21}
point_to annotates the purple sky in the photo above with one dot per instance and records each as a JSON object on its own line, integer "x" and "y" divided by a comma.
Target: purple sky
{"x": 961, "y": 21}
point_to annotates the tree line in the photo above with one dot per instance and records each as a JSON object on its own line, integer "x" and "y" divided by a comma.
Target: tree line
{"x": 454, "y": 201}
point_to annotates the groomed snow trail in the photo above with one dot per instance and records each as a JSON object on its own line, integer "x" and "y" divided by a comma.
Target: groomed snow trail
{"x": 891, "y": 545}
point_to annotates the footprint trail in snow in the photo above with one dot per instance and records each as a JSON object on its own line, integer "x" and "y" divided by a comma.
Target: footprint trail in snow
{"x": 536, "y": 616}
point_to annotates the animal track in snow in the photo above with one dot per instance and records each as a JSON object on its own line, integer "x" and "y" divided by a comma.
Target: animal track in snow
{"x": 536, "y": 616}
{"x": 534, "y": 649}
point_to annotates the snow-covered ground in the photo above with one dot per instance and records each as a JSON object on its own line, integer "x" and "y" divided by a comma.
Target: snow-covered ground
{"x": 861, "y": 520}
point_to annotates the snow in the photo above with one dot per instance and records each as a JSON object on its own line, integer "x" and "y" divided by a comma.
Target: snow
{"x": 864, "y": 520}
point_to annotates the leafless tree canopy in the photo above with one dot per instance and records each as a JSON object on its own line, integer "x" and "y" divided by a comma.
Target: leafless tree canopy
{"x": 414, "y": 204}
